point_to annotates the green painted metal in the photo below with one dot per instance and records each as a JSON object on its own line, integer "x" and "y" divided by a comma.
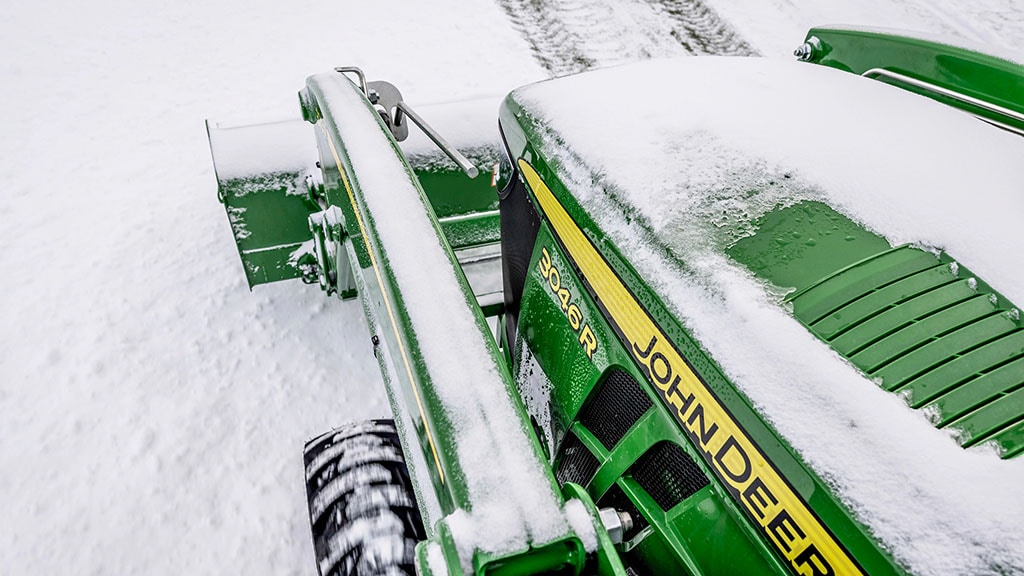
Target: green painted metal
{"x": 268, "y": 209}
{"x": 928, "y": 328}
{"x": 467, "y": 208}
{"x": 475, "y": 229}
{"x": 605, "y": 559}
{"x": 918, "y": 323}
{"x": 388, "y": 317}
{"x": 799, "y": 244}
{"x": 694, "y": 536}
{"x": 967, "y": 72}
{"x": 564, "y": 557}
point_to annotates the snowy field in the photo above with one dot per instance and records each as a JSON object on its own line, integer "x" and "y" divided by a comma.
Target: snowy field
{"x": 152, "y": 410}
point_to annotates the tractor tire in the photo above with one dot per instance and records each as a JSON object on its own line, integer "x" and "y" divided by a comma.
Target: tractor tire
{"x": 362, "y": 508}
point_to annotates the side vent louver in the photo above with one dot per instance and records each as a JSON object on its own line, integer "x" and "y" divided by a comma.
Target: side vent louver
{"x": 668, "y": 474}
{"x": 929, "y": 329}
{"x": 577, "y": 464}
{"x": 613, "y": 409}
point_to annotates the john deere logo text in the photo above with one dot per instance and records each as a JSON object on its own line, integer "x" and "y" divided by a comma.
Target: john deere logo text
{"x": 730, "y": 458}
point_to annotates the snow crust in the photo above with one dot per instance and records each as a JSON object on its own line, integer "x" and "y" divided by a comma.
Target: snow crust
{"x": 243, "y": 151}
{"x": 776, "y": 27}
{"x": 582, "y": 524}
{"x": 152, "y": 409}
{"x": 675, "y": 189}
{"x": 510, "y": 506}
{"x": 435, "y": 559}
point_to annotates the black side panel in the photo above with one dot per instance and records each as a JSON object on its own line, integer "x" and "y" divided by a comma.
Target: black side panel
{"x": 614, "y": 408}
{"x": 668, "y": 475}
{"x": 519, "y": 227}
{"x": 577, "y": 464}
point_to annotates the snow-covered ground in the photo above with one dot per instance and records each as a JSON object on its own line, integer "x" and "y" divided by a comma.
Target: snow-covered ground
{"x": 152, "y": 410}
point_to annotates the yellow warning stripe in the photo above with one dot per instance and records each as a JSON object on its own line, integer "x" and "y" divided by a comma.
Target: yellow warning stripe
{"x": 784, "y": 517}
{"x": 387, "y": 300}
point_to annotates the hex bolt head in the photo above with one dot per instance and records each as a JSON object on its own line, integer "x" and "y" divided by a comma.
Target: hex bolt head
{"x": 616, "y": 522}
{"x": 808, "y": 50}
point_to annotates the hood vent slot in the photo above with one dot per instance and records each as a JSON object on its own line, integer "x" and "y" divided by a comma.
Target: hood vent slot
{"x": 618, "y": 403}
{"x": 668, "y": 474}
{"x": 929, "y": 329}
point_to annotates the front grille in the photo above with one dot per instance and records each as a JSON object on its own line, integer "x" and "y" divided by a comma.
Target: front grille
{"x": 577, "y": 464}
{"x": 668, "y": 474}
{"x": 613, "y": 409}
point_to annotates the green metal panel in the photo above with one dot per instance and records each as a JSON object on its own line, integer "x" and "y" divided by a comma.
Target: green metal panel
{"x": 383, "y": 303}
{"x": 799, "y": 244}
{"x": 415, "y": 397}
{"x": 919, "y": 323}
{"x": 979, "y": 76}
{"x": 835, "y": 291}
{"x": 467, "y": 208}
{"x": 936, "y": 283}
{"x": 450, "y": 191}
{"x": 469, "y": 230}
{"x": 269, "y": 206}
{"x": 677, "y": 541}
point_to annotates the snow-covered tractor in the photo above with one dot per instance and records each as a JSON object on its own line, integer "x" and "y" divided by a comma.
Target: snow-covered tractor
{"x": 696, "y": 316}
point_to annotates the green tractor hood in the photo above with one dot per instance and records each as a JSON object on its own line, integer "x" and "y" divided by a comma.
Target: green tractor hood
{"x": 751, "y": 290}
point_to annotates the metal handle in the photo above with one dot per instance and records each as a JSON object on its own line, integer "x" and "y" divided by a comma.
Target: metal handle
{"x": 952, "y": 94}
{"x": 357, "y": 72}
{"x": 456, "y": 156}
{"x": 402, "y": 108}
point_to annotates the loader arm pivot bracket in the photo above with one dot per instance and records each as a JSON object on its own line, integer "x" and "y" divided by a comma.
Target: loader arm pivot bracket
{"x": 387, "y": 100}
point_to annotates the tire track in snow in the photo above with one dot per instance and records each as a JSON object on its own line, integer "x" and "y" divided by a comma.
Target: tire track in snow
{"x": 702, "y": 31}
{"x": 568, "y": 36}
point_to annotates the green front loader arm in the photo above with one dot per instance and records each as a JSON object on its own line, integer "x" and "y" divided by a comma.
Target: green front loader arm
{"x": 984, "y": 85}
{"x": 386, "y": 232}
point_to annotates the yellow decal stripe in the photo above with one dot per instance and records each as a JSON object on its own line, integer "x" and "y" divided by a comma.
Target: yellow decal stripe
{"x": 755, "y": 484}
{"x": 387, "y": 300}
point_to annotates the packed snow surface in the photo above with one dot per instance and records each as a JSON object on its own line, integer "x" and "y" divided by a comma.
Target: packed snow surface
{"x": 243, "y": 151}
{"x": 692, "y": 182}
{"x": 776, "y": 27}
{"x": 152, "y": 410}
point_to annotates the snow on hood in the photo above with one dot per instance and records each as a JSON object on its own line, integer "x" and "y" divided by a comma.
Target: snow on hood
{"x": 698, "y": 148}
